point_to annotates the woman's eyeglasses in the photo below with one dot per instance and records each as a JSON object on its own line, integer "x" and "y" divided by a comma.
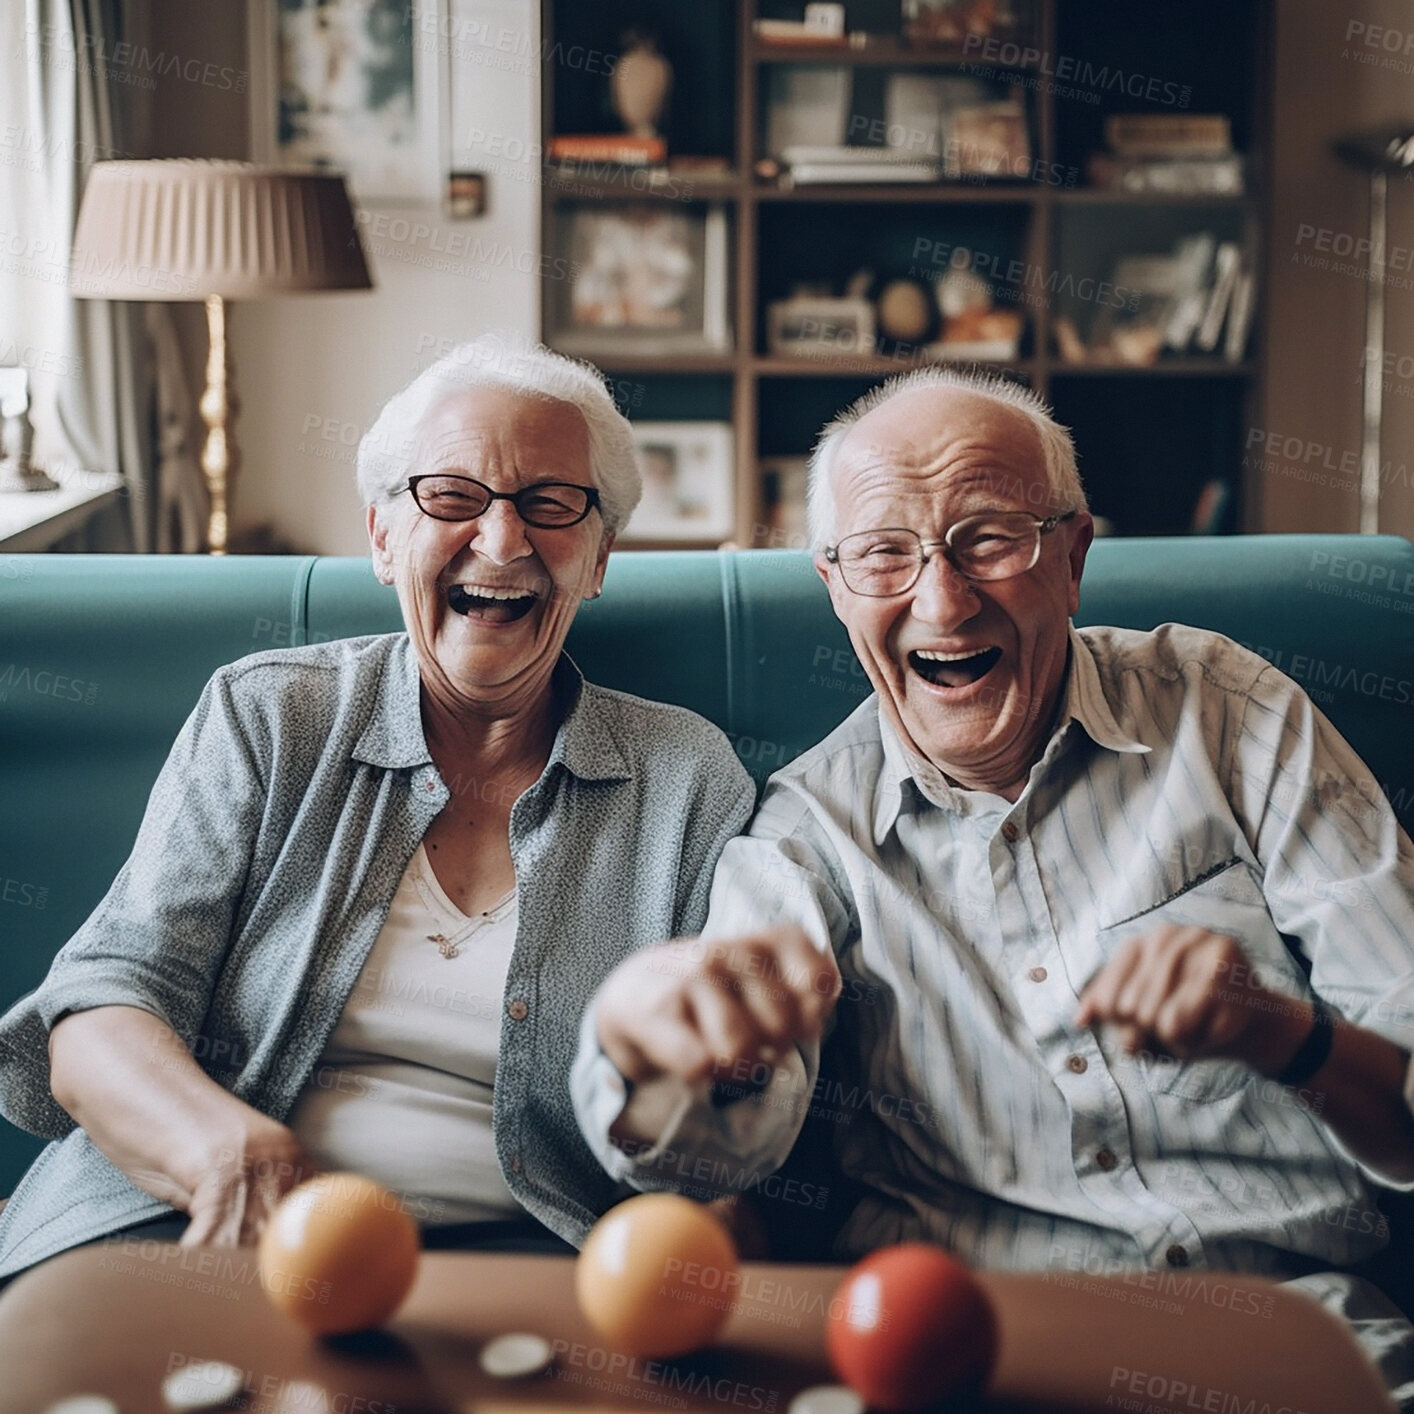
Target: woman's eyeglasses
{"x": 549, "y": 505}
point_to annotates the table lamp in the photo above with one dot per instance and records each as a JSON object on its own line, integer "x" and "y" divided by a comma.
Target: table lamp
{"x": 182, "y": 229}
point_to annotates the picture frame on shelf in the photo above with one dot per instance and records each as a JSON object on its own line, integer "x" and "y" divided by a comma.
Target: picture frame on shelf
{"x": 640, "y": 278}
{"x": 964, "y": 25}
{"x": 988, "y": 140}
{"x": 805, "y": 104}
{"x": 784, "y": 483}
{"x": 1129, "y": 329}
{"x": 814, "y": 327}
{"x": 351, "y": 86}
{"x": 688, "y": 482}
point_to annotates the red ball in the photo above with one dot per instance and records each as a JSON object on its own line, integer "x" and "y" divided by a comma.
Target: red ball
{"x": 910, "y": 1326}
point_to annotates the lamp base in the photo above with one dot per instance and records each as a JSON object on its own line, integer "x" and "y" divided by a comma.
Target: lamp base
{"x": 218, "y": 405}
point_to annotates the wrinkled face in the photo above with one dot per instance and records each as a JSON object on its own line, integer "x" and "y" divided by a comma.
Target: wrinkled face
{"x": 488, "y": 602}
{"x": 969, "y": 672}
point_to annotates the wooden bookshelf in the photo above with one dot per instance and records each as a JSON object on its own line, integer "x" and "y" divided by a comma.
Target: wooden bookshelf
{"x": 1149, "y": 437}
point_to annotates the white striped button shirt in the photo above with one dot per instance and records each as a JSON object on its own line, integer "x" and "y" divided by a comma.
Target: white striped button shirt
{"x": 1187, "y": 781}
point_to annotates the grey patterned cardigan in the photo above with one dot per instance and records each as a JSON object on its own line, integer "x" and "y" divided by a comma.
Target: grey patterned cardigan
{"x": 267, "y": 859}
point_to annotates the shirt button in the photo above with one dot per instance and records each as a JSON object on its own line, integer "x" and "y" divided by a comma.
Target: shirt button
{"x": 517, "y": 1010}
{"x": 1106, "y": 1160}
{"x": 429, "y": 784}
{"x": 1176, "y": 1256}
{"x": 515, "y": 1164}
{"x": 1037, "y": 974}
{"x": 1077, "y": 1065}
{"x": 1010, "y": 833}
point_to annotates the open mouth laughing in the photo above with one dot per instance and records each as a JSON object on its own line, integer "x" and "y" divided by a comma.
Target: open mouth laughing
{"x": 953, "y": 670}
{"x": 491, "y": 604}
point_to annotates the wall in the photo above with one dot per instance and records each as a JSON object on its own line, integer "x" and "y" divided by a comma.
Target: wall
{"x": 317, "y": 368}
{"x": 311, "y": 371}
{"x": 1339, "y": 69}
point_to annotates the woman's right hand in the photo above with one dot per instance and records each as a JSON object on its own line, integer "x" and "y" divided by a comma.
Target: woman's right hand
{"x": 233, "y": 1194}
{"x": 133, "y": 1085}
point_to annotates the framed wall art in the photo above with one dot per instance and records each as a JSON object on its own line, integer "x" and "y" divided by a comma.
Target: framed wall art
{"x": 353, "y": 86}
{"x": 687, "y": 470}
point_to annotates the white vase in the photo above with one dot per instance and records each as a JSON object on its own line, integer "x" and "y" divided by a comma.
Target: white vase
{"x": 640, "y": 85}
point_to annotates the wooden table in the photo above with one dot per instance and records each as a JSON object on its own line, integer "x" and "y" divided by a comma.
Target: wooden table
{"x": 116, "y": 1319}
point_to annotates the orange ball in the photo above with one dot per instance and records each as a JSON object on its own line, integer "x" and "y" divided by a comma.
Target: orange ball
{"x": 910, "y": 1326}
{"x": 656, "y": 1276}
{"x": 338, "y": 1254}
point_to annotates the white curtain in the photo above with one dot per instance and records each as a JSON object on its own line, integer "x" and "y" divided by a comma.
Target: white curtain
{"x": 90, "y": 372}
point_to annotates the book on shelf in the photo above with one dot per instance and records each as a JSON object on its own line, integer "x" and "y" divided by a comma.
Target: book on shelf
{"x": 816, "y": 164}
{"x": 1001, "y": 350}
{"x": 1239, "y": 316}
{"x": 1227, "y": 264}
{"x": 705, "y": 168}
{"x": 801, "y": 34}
{"x": 820, "y": 173}
{"x": 844, "y": 153}
{"x": 1194, "y": 257}
{"x": 1196, "y": 299}
{"x": 1221, "y": 174}
{"x": 1168, "y": 134}
{"x": 623, "y": 148}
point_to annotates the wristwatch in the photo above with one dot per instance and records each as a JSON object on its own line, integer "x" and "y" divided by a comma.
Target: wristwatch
{"x": 1313, "y": 1052}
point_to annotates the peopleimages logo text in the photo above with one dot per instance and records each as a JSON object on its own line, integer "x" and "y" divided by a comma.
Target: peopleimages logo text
{"x": 1082, "y": 73}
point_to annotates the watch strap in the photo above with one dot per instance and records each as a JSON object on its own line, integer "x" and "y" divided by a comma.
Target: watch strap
{"x": 1314, "y": 1051}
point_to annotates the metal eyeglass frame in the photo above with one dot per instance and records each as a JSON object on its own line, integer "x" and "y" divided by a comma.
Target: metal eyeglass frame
{"x": 1043, "y": 527}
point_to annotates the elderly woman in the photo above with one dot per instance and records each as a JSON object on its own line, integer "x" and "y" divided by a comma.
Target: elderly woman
{"x": 378, "y": 879}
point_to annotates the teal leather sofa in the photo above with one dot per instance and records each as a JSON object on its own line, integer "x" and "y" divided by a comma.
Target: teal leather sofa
{"x": 102, "y": 657}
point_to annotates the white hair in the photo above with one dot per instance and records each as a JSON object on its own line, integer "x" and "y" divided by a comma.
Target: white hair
{"x": 1064, "y": 490}
{"x": 386, "y": 451}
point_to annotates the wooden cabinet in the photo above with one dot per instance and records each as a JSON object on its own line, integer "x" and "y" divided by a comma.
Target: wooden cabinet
{"x": 1150, "y": 437}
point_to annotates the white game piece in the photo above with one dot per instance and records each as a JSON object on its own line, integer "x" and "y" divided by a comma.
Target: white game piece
{"x": 827, "y": 1399}
{"x": 84, "y": 1404}
{"x": 516, "y": 1356}
{"x": 206, "y": 1385}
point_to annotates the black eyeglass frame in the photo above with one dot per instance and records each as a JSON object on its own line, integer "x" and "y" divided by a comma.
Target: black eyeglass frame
{"x": 1044, "y": 525}
{"x": 591, "y": 495}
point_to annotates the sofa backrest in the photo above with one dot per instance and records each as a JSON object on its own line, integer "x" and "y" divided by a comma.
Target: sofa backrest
{"x": 102, "y": 657}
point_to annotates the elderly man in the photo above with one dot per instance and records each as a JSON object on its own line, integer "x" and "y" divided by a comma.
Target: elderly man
{"x": 1083, "y": 894}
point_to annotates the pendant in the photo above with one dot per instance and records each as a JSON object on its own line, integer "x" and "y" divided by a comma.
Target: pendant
{"x": 445, "y": 945}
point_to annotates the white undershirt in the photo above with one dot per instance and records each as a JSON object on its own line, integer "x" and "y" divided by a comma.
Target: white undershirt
{"x": 402, "y": 1092}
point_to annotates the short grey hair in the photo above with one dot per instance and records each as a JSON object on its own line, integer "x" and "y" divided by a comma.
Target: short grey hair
{"x": 1057, "y": 448}
{"x": 386, "y": 450}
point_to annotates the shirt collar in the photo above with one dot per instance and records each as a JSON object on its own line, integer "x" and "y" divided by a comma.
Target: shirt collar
{"x": 584, "y": 744}
{"x": 393, "y": 736}
{"x": 898, "y": 768}
{"x": 1085, "y": 703}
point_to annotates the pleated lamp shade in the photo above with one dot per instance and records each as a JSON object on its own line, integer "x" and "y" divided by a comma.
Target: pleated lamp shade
{"x": 182, "y": 229}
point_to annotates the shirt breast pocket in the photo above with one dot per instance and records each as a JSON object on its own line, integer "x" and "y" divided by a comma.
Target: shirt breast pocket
{"x": 1226, "y": 900}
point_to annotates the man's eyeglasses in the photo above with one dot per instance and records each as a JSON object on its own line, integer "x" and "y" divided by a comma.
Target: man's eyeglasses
{"x": 999, "y": 545}
{"x": 548, "y": 505}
